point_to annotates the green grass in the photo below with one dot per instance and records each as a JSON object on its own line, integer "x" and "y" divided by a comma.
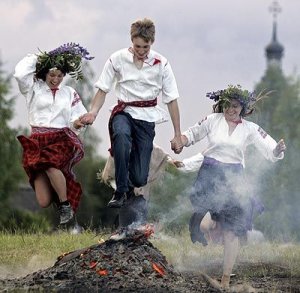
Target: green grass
{"x": 25, "y": 253}
{"x": 183, "y": 254}
{"x": 22, "y": 254}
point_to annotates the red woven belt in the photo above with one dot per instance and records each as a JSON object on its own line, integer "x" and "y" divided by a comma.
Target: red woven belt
{"x": 120, "y": 107}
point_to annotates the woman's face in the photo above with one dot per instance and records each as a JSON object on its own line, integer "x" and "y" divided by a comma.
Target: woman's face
{"x": 54, "y": 78}
{"x": 140, "y": 47}
{"x": 233, "y": 111}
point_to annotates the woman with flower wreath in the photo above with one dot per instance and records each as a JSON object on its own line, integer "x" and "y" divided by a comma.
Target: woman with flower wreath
{"x": 139, "y": 75}
{"x": 219, "y": 195}
{"x": 53, "y": 147}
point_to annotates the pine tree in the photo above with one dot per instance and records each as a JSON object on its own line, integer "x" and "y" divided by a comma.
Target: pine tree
{"x": 279, "y": 115}
{"x": 10, "y": 153}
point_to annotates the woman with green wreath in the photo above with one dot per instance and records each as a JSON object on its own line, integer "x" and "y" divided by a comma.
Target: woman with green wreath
{"x": 219, "y": 196}
{"x": 53, "y": 147}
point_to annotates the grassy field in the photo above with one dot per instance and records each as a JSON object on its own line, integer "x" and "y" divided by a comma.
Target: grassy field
{"x": 22, "y": 254}
{"x": 185, "y": 255}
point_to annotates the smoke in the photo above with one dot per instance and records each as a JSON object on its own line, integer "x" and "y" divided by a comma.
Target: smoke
{"x": 175, "y": 209}
{"x": 36, "y": 262}
{"x": 180, "y": 206}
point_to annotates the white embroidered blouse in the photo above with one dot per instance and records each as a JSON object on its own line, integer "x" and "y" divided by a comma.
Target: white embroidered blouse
{"x": 230, "y": 148}
{"x": 43, "y": 109}
{"x": 133, "y": 84}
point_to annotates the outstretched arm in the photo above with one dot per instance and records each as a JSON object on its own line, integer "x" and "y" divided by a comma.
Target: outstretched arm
{"x": 266, "y": 145}
{"x": 96, "y": 105}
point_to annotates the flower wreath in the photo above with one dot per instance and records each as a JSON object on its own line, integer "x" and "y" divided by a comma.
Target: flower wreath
{"x": 247, "y": 99}
{"x": 67, "y": 58}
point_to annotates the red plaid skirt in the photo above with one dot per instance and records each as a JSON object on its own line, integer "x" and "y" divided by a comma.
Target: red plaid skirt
{"x": 57, "y": 148}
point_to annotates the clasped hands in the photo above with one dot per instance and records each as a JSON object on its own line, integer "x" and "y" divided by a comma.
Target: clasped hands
{"x": 177, "y": 143}
{"x": 85, "y": 119}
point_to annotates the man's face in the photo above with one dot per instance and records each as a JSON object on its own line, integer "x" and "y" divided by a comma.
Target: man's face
{"x": 140, "y": 47}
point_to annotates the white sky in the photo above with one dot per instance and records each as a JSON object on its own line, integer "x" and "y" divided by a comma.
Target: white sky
{"x": 209, "y": 44}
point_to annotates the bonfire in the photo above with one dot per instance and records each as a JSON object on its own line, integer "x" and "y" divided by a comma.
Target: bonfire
{"x": 131, "y": 264}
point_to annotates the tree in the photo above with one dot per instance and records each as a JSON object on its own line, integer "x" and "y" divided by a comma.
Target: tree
{"x": 10, "y": 154}
{"x": 279, "y": 115}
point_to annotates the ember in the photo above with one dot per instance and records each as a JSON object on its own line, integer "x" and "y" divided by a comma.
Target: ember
{"x": 93, "y": 265}
{"x": 131, "y": 264}
{"x": 102, "y": 272}
{"x": 148, "y": 230}
{"x": 158, "y": 269}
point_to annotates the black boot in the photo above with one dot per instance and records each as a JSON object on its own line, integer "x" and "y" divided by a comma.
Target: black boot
{"x": 194, "y": 227}
{"x": 117, "y": 200}
{"x": 133, "y": 211}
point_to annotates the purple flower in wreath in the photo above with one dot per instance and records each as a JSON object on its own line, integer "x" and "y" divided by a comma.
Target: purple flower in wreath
{"x": 214, "y": 95}
{"x": 67, "y": 58}
{"x": 72, "y": 49}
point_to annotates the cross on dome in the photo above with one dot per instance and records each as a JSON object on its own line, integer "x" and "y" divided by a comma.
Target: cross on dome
{"x": 275, "y": 9}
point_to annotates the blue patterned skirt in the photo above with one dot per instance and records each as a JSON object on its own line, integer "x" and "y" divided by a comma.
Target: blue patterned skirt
{"x": 221, "y": 189}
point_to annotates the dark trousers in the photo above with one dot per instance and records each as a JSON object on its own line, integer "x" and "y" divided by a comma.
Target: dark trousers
{"x": 132, "y": 144}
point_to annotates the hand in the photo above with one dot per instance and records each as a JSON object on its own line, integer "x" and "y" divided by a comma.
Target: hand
{"x": 280, "y": 147}
{"x": 177, "y": 164}
{"x": 77, "y": 124}
{"x": 176, "y": 144}
{"x": 87, "y": 118}
{"x": 184, "y": 140}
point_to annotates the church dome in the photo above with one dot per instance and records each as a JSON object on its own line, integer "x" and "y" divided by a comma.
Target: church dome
{"x": 274, "y": 50}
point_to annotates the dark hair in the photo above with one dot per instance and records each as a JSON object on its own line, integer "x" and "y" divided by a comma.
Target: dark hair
{"x": 219, "y": 107}
{"x": 44, "y": 71}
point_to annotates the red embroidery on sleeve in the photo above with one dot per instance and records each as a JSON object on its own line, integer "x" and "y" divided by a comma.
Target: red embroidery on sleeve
{"x": 202, "y": 120}
{"x": 76, "y": 99}
{"x": 262, "y": 132}
{"x": 112, "y": 65}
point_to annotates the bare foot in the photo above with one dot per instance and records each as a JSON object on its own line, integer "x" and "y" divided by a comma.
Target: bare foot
{"x": 212, "y": 282}
{"x": 225, "y": 282}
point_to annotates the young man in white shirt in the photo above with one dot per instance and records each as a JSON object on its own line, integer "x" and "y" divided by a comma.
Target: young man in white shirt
{"x": 139, "y": 75}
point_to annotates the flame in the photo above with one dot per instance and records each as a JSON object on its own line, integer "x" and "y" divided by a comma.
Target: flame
{"x": 93, "y": 264}
{"x": 102, "y": 272}
{"x": 158, "y": 269}
{"x": 147, "y": 229}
